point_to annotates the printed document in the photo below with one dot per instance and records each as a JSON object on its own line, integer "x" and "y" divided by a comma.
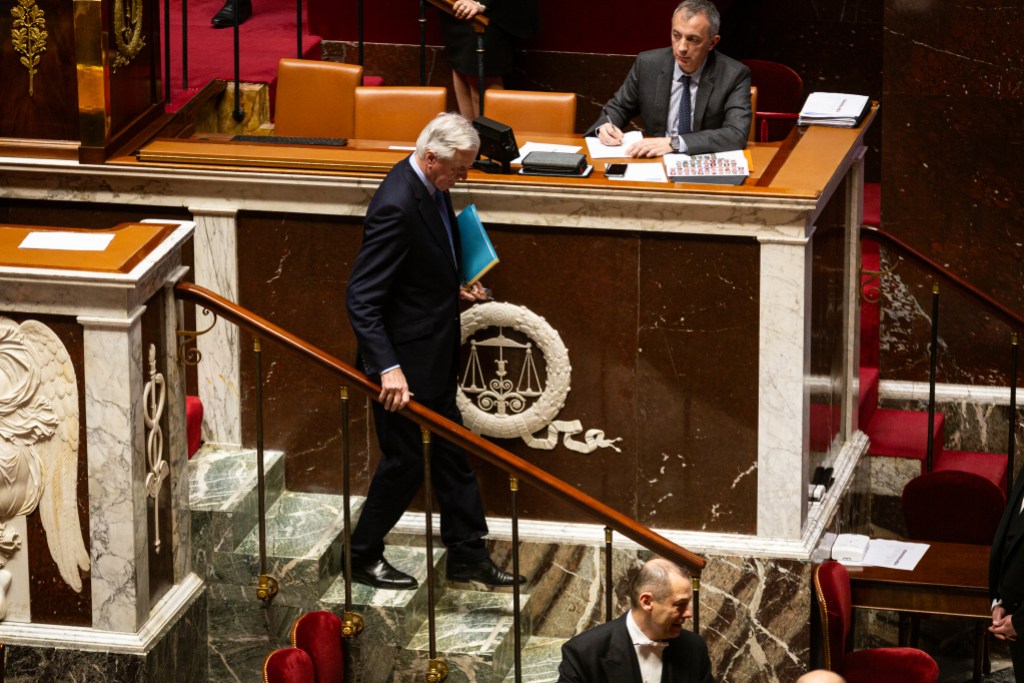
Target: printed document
{"x": 598, "y": 150}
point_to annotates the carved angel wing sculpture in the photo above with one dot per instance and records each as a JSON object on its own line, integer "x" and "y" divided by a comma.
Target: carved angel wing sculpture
{"x": 39, "y": 440}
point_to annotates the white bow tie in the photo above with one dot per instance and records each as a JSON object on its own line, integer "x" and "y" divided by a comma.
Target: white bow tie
{"x": 654, "y": 644}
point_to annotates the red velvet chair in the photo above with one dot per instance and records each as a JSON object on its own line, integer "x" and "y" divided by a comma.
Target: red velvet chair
{"x": 876, "y": 665}
{"x": 927, "y": 500}
{"x": 319, "y": 634}
{"x": 979, "y": 505}
{"x": 287, "y": 665}
{"x": 780, "y": 95}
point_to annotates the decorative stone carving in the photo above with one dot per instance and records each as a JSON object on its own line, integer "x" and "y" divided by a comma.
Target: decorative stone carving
{"x": 128, "y": 36}
{"x": 28, "y": 36}
{"x": 154, "y": 397}
{"x": 503, "y": 408}
{"x": 39, "y": 433}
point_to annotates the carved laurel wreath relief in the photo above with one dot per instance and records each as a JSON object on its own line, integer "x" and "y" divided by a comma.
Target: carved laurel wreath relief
{"x": 127, "y": 31}
{"x": 501, "y": 393}
{"x": 39, "y": 447}
{"x": 28, "y": 36}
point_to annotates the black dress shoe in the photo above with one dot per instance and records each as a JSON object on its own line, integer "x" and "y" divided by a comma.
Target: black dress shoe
{"x": 380, "y": 574}
{"x": 225, "y": 17}
{"x": 482, "y": 574}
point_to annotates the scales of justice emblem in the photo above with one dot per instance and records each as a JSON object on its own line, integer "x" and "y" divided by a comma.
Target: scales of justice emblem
{"x": 511, "y": 401}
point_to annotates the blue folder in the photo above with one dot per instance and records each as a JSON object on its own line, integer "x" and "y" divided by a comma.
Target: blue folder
{"x": 478, "y": 255}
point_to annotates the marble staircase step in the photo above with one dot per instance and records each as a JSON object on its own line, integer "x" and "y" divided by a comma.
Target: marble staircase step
{"x": 541, "y": 656}
{"x": 223, "y": 497}
{"x": 304, "y": 544}
{"x": 474, "y": 635}
{"x": 390, "y": 616}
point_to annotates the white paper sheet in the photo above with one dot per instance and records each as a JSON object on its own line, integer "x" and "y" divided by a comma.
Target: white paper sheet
{"x": 67, "y": 241}
{"x": 891, "y": 554}
{"x": 528, "y": 147}
{"x": 651, "y": 173}
{"x": 597, "y": 150}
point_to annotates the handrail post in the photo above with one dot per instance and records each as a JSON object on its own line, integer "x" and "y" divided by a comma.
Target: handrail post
{"x": 480, "y": 67}
{"x": 184, "y": 44}
{"x": 1011, "y": 450}
{"x": 933, "y": 362}
{"x": 351, "y": 622}
{"x": 437, "y": 670}
{"x": 608, "y": 589}
{"x": 167, "y": 52}
{"x": 267, "y": 587}
{"x": 359, "y": 21}
{"x": 298, "y": 29}
{"x": 695, "y": 583}
{"x": 513, "y": 485}
{"x": 238, "y": 113}
{"x": 423, "y": 42}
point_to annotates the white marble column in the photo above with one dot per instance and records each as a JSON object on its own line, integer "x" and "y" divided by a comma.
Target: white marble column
{"x": 216, "y": 263}
{"x": 176, "y": 443}
{"x": 117, "y": 471}
{"x": 783, "y": 364}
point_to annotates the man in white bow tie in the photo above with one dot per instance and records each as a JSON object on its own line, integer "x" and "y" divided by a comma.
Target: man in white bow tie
{"x": 647, "y": 644}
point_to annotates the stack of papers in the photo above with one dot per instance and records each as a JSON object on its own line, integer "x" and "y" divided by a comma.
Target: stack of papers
{"x": 838, "y": 110}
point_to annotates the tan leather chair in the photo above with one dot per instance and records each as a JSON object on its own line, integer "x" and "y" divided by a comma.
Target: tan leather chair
{"x": 396, "y": 112}
{"x": 553, "y": 113}
{"x": 315, "y": 99}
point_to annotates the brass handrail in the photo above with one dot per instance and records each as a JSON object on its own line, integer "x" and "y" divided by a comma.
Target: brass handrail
{"x": 457, "y": 434}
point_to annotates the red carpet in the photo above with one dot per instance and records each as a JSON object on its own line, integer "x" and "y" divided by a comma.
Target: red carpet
{"x": 263, "y": 40}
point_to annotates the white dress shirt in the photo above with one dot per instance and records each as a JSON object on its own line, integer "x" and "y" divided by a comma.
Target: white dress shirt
{"x": 648, "y": 652}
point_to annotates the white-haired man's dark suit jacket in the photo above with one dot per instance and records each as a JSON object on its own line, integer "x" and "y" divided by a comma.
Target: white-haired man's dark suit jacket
{"x": 721, "y": 112}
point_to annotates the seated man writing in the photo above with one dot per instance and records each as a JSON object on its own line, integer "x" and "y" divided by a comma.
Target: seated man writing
{"x": 692, "y": 100}
{"x": 647, "y": 643}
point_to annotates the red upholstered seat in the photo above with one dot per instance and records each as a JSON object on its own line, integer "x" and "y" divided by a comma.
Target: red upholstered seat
{"x": 287, "y": 665}
{"x": 952, "y": 507}
{"x": 991, "y": 466}
{"x": 780, "y": 94}
{"x": 876, "y": 665}
{"x": 319, "y": 634}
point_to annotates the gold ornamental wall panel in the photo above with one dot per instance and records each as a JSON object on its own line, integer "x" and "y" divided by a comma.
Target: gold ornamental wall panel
{"x": 28, "y": 37}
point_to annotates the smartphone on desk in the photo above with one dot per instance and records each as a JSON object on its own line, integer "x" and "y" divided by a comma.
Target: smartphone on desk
{"x": 615, "y": 170}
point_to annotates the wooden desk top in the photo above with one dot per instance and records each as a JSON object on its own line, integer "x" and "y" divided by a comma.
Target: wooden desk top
{"x": 951, "y": 578}
{"x": 802, "y": 166}
{"x": 132, "y": 242}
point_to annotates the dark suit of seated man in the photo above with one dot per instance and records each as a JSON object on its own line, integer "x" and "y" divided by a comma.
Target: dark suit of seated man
{"x": 692, "y": 100}
{"x": 647, "y": 643}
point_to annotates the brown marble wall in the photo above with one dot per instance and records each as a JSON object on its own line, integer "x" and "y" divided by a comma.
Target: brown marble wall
{"x": 954, "y": 100}
{"x": 662, "y": 356}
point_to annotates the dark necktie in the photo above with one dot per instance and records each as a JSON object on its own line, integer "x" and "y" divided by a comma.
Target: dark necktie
{"x": 684, "y": 107}
{"x": 442, "y": 208}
